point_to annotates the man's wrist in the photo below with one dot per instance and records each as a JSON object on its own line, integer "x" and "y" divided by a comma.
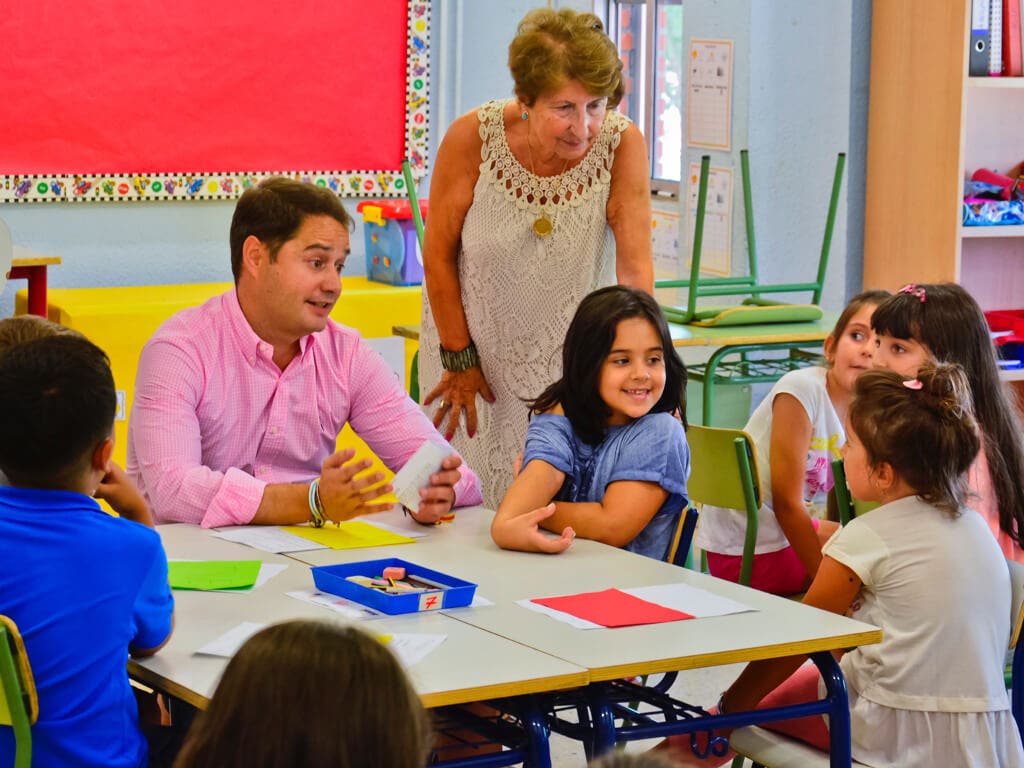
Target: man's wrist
{"x": 316, "y": 506}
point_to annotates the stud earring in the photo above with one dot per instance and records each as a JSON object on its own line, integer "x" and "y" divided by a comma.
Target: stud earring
{"x": 526, "y": 115}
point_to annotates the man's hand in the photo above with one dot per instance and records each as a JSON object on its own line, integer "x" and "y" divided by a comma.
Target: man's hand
{"x": 438, "y": 498}
{"x": 344, "y": 495}
{"x": 117, "y": 489}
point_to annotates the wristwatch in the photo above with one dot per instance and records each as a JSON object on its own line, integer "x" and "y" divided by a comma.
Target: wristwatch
{"x": 463, "y": 360}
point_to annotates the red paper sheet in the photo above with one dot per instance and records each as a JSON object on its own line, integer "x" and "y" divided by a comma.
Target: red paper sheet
{"x": 612, "y": 608}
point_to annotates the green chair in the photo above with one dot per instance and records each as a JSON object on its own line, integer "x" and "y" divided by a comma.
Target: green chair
{"x": 760, "y": 310}
{"x": 19, "y": 705}
{"x": 723, "y": 473}
{"x": 417, "y": 218}
{"x": 752, "y": 363}
{"x": 847, "y": 506}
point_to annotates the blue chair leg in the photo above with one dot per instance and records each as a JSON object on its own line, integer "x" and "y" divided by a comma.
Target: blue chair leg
{"x": 603, "y": 720}
{"x": 839, "y": 709}
{"x": 538, "y": 747}
{"x": 1017, "y": 686}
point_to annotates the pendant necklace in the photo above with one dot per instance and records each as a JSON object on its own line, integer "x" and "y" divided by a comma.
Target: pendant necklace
{"x": 544, "y": 225}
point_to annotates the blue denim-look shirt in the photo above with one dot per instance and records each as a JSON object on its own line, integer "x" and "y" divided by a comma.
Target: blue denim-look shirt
{"x": 651, "y": 449}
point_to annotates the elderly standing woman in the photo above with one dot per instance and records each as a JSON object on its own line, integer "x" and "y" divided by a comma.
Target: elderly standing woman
{"x": 535, "y": 202}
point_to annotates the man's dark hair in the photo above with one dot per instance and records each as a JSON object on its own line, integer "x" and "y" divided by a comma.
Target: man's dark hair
{"x": 274, "y": 210}
{"x": 58, "y": 405}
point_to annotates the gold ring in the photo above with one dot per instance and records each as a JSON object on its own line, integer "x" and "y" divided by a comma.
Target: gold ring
{"x": 440, "y": 403}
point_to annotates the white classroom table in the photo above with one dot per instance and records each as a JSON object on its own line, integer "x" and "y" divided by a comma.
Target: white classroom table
{"x": 777, "y": 627}
{"x": 471, "y": 664}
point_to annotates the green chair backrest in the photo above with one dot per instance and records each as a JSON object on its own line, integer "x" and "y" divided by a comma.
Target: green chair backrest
{"x": 19, "y": 705}
{"x": 723, "y": 473}
{"x": 848, "y": 506}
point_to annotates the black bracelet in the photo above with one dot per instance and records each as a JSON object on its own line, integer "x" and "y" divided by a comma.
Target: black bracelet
{"x": 463, "y": 360}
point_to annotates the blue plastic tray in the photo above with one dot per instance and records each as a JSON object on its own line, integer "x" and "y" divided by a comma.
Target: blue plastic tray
{"x": 455, "y": 593}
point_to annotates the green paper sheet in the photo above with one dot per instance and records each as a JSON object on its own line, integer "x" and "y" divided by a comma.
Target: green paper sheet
{"x": 213, "y": 574}
{"x": 353, "y": 534}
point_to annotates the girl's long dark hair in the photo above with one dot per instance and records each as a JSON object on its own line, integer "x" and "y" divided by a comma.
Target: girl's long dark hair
{"x": 946, "y": 319}
{"x": 588, "y": 342}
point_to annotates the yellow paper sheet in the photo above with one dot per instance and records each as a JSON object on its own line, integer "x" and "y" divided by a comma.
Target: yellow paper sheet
{"x": 353, "y": 534}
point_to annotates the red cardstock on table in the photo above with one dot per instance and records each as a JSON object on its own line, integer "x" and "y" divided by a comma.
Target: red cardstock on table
{"x": 612, "y": 608}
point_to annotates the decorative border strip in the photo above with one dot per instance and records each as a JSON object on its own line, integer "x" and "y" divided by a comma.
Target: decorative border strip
{"x": 132, "y": 187}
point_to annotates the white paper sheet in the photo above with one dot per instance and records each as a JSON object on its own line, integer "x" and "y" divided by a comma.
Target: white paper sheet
{"x": 227, "y": 645}
{"x": 411, "y": 529}
{"x": 699, "y": 603}
{"x": 417, "y": 471}
{"x": 347, "y": 608}
{"x": 267, "y": 538}
{"x": 411, "y": 649}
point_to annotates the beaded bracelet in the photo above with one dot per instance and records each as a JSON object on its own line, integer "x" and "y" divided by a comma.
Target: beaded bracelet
{"x": 316, "y": 506}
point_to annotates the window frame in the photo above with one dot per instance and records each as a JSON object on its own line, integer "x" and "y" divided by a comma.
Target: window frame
{"x": 607, "y": 11}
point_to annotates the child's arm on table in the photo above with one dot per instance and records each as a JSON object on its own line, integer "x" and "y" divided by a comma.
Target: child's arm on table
{"x": 117, "y": 489}
{"x": 525, "y": 506}
{"x": 627, "y": 506}
{"x": 791, "y": 437}
{"x": 834, "y": 589}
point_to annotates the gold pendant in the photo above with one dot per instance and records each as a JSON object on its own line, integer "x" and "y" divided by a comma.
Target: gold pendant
{"x": 542, "y": 226}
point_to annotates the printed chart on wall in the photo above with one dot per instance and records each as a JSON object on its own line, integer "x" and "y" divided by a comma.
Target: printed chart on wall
{"x": 665, "y": 244}
{"x": 709, "y": 95}
{"x": 716, "y": 247}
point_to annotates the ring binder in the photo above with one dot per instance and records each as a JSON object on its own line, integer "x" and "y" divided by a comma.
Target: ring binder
{"x": 995, "y": 38}
{"x": 978, "y": 55}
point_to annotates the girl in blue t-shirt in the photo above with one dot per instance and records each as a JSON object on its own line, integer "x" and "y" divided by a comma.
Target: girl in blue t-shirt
{"x": 606, "y": 457}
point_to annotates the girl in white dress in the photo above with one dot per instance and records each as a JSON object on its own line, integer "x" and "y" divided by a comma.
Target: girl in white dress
{"x": 924, "y": 568}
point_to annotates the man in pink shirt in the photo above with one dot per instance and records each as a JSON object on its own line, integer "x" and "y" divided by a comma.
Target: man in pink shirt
{"x": 238, "y": 402}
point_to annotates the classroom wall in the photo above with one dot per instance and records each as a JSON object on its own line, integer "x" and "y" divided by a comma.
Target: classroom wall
{"x": 794, "y": 108}
{"x": 794, "y": 86}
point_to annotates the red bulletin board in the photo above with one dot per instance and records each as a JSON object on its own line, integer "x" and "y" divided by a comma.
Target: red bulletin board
{"x": 147, "y": 99}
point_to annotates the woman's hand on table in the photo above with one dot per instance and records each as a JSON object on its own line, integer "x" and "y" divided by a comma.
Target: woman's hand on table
{"x": 343, "y": 494}
{"x": 457, "y": 393}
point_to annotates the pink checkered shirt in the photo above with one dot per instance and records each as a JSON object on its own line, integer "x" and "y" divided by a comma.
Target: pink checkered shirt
{"x": 214, "y": 420}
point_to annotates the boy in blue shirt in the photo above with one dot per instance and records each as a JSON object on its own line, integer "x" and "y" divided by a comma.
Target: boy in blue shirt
{"x": 85, "y": 588}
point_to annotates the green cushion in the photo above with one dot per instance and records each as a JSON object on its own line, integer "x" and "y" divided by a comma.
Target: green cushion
{"x": 747, "y": 314}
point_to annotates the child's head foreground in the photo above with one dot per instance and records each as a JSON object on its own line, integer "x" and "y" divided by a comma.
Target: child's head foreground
{"x": 918, "y": 433}
{"x": 310, "y": 693}
{"x": 59, "y": 435}
{"x": 21, "y": 328}
{"x": 618, "y": 364}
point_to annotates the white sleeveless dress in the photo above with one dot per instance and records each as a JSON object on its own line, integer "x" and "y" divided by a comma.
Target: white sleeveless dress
{"x": 520, "y": 290}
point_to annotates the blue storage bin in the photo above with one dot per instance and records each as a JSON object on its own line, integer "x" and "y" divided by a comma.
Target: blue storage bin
{"x": 392, "y": 249}
{"x": 453, "y": 592}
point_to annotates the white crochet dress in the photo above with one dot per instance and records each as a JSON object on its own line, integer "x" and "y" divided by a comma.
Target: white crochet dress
{"x": 520, "y": 290}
